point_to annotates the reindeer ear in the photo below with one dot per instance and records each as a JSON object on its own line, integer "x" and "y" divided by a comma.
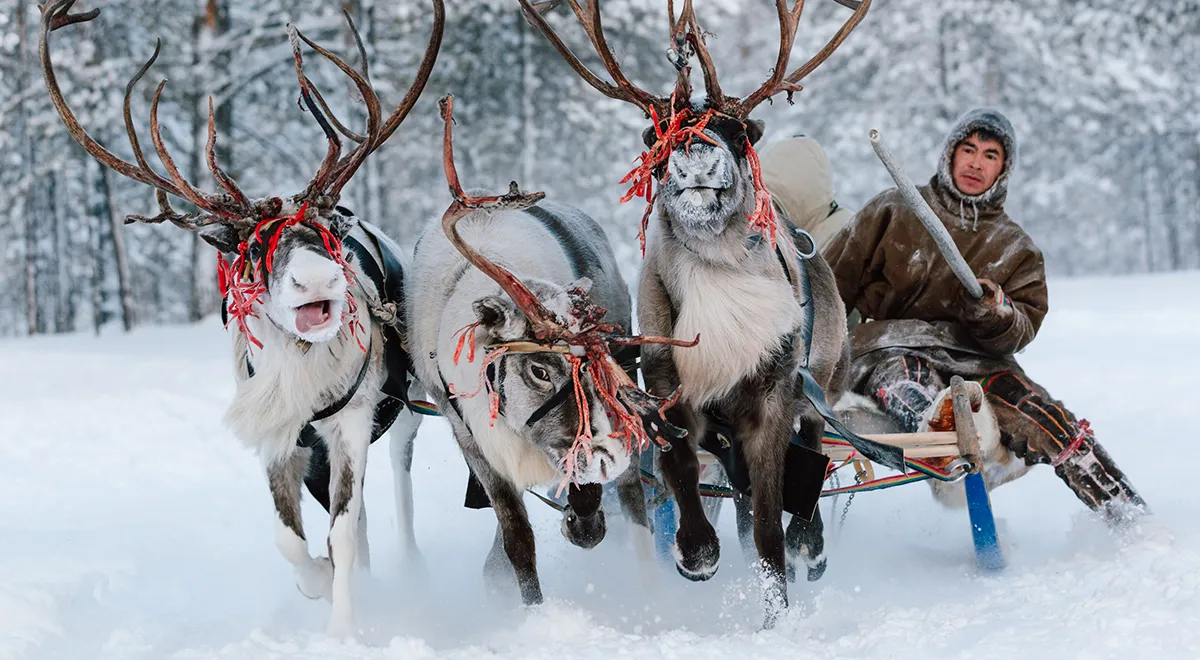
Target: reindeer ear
{"x": 222, "y": 237}
{"x": 343, "y": 222}
{"x": 493, "y": 312}
{"x": 754, "y": 130}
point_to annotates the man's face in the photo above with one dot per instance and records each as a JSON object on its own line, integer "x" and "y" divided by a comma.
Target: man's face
{"x": 977, "y": 164}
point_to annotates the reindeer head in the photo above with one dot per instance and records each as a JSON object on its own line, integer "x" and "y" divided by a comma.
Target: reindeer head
{"x": 548, "y": 368}
{"x": 700, "y": 153}
{"x": 281, "y": 256}
{"x": 535, "y": 385}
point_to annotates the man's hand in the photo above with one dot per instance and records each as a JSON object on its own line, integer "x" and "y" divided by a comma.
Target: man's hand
{"x": 993, "y": 309}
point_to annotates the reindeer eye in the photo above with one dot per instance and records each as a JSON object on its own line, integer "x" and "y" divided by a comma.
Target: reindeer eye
{"x": 254, "y": 251}
{"x": 539, "y": 372}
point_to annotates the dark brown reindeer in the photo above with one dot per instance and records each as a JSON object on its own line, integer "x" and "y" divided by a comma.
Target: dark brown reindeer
{"x": 721, "y": 263}
{"x": 318, "y": 351}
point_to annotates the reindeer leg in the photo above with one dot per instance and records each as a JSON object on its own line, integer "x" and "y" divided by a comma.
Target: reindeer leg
{"x": 514, "y": 532}
{"x": 805, "y": 539}
{"x": 767, "y": 430}
{"x": 350, "y": 440}
{"x": 583, "y": 521}
{"x": 517, "y": 536}
{"x": 697, "y": 549}
{"x": 362, "y": 546}
{"x": 402, "y": 438}
{"x": 314, "y": 577}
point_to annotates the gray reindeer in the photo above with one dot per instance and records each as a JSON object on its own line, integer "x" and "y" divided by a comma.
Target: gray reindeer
{"x": 318, "y": 349}
{"x": 721, "y": 263}
{"x": 513, "y": 308}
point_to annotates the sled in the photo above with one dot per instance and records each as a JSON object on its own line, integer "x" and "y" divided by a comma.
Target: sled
{"x": 948, "y": 456}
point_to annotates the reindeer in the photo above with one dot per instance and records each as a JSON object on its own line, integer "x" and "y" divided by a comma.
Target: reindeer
{"x": 518, "y": 332}
{"x": 318, "y": 353}
{"x": 721, "y": 263}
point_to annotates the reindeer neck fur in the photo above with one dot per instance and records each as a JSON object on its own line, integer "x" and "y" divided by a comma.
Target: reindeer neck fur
{"x": 733, "y": 292}
{"x": 291, "y": 383}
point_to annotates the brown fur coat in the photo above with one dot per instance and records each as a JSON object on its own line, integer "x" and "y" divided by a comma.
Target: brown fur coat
{"x": 888, "y": 267}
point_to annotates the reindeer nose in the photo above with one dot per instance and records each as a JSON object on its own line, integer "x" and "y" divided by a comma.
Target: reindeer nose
{"x": 312, "y": 273}
{"x": 702, "y": 168}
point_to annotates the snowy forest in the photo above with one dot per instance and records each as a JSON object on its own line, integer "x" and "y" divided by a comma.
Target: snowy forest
{"x": 1104, "y": 94}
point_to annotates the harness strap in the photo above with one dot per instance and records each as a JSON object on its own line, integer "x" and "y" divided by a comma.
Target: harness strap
{"x": 553, "y": 402}
{"x": 336, "y": 407}
{"x": 367, "y": 263}
{"x": 892, "y": 457}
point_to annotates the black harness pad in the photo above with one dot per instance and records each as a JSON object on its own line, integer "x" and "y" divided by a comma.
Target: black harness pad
{"x": 803, "y": 471}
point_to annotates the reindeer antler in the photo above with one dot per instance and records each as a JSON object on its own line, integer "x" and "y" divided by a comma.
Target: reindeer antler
{"x": 231, "y": 208}
{"x": 788, "y": 22}
{"x": 336, "y": 172}
{"x": 546, "y": 324}
{"x": 687, "y": 38}
{"x": 621, "y": 88}
{"x": 633, "y": 408}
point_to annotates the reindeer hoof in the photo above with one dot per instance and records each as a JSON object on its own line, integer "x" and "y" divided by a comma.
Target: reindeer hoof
{"x": 584, "y": 531}
{"x": 816, "y": 571}
{"x": 315, "y": 581}
{"x": 697, "y": 556}
{"x": 341, "y": 628}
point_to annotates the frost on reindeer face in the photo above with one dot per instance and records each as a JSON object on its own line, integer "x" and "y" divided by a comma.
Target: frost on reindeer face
{"x": 307, "y": 289}
{"x": 701, "y": 192}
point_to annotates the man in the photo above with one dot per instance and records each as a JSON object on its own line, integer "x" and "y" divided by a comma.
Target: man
{"x": 926, "y": 328}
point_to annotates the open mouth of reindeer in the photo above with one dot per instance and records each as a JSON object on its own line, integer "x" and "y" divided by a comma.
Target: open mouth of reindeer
{"x": 316, "y": 320}
{"x": 316, "y": 315}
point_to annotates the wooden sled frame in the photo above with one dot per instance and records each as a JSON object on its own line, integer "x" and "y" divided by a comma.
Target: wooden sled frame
{"x": 961, "y": 444}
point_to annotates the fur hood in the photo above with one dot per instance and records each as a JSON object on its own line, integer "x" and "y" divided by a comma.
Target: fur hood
{"x": 971, "y": 121}
{"x": 797, "y": 173}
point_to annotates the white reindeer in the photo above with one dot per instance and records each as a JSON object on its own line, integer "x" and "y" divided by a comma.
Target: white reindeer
{"x": 318, "y": 353}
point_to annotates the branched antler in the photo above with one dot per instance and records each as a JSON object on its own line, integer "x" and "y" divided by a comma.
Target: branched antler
{"x": 688, "y": 39}
{"x": 788, "y": 22}
{"x": 336, "y": 172}
{"x": 621, "y": 88}
{"x": 230, "y": 208}
{"x": 233, "y": 207}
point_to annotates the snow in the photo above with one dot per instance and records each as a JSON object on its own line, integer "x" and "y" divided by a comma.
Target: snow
{"x": 135, "y": 526}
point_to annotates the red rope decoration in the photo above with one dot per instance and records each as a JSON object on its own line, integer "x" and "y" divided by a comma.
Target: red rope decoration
{"x": 763, "y": 218}
{"x": 484, "y": 384}
{"x": 241, "y": 295}
{"x": 642, "y": 175}
{"x": 241, "y": 286}
{"x": 1083, "y": 430}
{"x": 466, "y": 339}
{"x": 569, "y": 465}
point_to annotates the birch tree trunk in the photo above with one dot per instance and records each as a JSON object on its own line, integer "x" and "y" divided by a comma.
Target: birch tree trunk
{"x": 212, "y": 23}
{"x": 28, "y": 152}
{"x": 107, "y": 214}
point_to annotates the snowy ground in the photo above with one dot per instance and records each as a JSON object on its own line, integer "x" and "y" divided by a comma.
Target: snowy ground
{"x": 134, "y": 526}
